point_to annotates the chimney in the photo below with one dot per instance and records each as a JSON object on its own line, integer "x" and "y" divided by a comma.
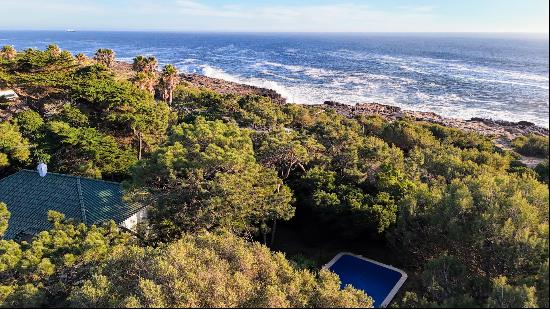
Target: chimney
{"x": 42, "y": 169}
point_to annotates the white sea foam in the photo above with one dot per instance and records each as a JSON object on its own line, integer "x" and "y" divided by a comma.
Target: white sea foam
{"x": 511, "y": 82}
{"x": 226, "y": 48}
{"x": 288, "y": 93}
{"x": 218, "y": 73}
{"x": 452, "y": 67}
{"x": 367, "y": 87}
{"x": 126, "y": 59}
{"x": 316, "y": 73}
{"x": 278, "y": 76}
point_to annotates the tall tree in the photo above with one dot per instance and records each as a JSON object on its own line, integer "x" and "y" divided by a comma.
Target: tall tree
{"x": 105, "y": 57}
{"x": 139, "y": 63}
{"x": 206, "y": 177}
{"x": 145, "y": 81}
{"x": 43, "y": 272}
{"x": 504, "y": 295}
{"x": 146, "y": 73}
{"x": 211, "y": 271}
{"x": 476, "y": 229}
{"x": 8, "y": 52}
{"x": 121, "y": 105}
{"x": 101, "y": 266}
{"x": 286, "y": 151}
{"x": 169, "y": 80}
{"x": 88, "y": 152}
{"x": 81, "y": 58}
{"x": 13, "y": 146}
{"x": 149, "y": 124}
{"x": 145, "y": 64}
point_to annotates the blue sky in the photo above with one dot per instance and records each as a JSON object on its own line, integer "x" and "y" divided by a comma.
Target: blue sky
{"x": 280, "y": 15}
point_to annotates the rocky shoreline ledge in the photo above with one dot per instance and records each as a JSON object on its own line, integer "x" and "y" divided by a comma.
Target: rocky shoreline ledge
{"x": 502, "y": 131}
{"x": 226, "y": 87}
{"x": 499, "y": 129}
{"x": 496, "y": 128}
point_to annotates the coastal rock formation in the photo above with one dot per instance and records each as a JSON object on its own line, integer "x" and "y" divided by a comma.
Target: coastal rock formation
{"x": 499, "y": 129}
{"x": 495, "y": 128}
{"x": 225, "y": 87}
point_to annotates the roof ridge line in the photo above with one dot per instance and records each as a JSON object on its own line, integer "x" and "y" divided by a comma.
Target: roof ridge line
{"x": 67, "y": 175}
{"x": 80, "y": 199}
{"x": 2, "y": 179}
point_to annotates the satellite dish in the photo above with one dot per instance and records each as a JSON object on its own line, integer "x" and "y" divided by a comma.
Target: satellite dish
{"x": 42, "y": 169}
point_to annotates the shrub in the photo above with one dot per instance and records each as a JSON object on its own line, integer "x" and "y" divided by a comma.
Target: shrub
{"x": 531, "y": 145}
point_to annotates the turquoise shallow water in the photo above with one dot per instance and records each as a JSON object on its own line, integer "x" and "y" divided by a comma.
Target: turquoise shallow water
{"x": 458, "y": 75}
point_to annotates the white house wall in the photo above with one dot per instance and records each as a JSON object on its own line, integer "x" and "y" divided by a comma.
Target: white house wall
{"x": 136, "y": 218}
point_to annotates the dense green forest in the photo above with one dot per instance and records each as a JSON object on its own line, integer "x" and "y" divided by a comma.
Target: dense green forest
{"x": 226, "y": 176}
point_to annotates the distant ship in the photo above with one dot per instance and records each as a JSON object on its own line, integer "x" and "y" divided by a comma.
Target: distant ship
{"x": 70, "y": 30}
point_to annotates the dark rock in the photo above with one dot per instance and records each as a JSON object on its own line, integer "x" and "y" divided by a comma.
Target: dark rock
{"x": 526, "y": 123}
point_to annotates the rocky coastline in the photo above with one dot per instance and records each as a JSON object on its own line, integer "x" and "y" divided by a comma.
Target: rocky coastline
{"x": 226, "y": 87}
{"x": 502, "y": 131}
{"x": 489, "y": 127}
{"x": 499, "y": 129}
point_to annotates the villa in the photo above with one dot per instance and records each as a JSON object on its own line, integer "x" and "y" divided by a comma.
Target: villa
{"x": 29, "y": 195}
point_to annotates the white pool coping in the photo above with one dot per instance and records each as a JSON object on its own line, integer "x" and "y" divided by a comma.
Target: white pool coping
{"x": 395, "y": 288}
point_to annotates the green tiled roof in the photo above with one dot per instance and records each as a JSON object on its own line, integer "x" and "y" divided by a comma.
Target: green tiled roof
{"x": 29, "y": 197}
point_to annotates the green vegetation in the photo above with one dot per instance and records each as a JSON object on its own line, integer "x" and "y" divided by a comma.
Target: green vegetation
{"x": 206, "y": 177}
{"x": 212, "y": 272}
{"x": 43, "y": 272}
{"x": 8, "y": 52}
{"x": 542, "y": 171}
{"x": 4, "y": 218}
{"x": 169, "y": 80}
{"x": 146, "y": 73}
{"x": 74, "y": 265}
{"x": 14, "y": 148}
{"x": 223, "y": 175}
{"x": 105, "y": 57}
{"x": 532, "y": 145}
{"x": 96, "y": 121}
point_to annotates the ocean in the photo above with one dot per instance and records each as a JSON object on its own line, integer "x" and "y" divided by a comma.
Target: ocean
{"x": 498, "y": 76}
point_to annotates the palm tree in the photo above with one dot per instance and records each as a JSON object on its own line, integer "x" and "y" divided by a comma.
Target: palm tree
{"x": 139, "y": 63}
{"x": 105, "y": 56}
{"x": 145, "y": 81}
{"x": 8, "y": 52}
{"x": 152, "y": 65}
{"x": 146, "y": 73}
{"x": 169, "y": 79}
{"x": 145, "y": 64}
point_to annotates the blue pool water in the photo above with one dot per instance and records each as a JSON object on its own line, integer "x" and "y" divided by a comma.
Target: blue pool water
{"x": 377, "y": 281}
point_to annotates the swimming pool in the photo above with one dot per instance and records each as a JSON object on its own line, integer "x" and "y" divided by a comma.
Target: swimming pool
{"x": 379, "y": 281}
